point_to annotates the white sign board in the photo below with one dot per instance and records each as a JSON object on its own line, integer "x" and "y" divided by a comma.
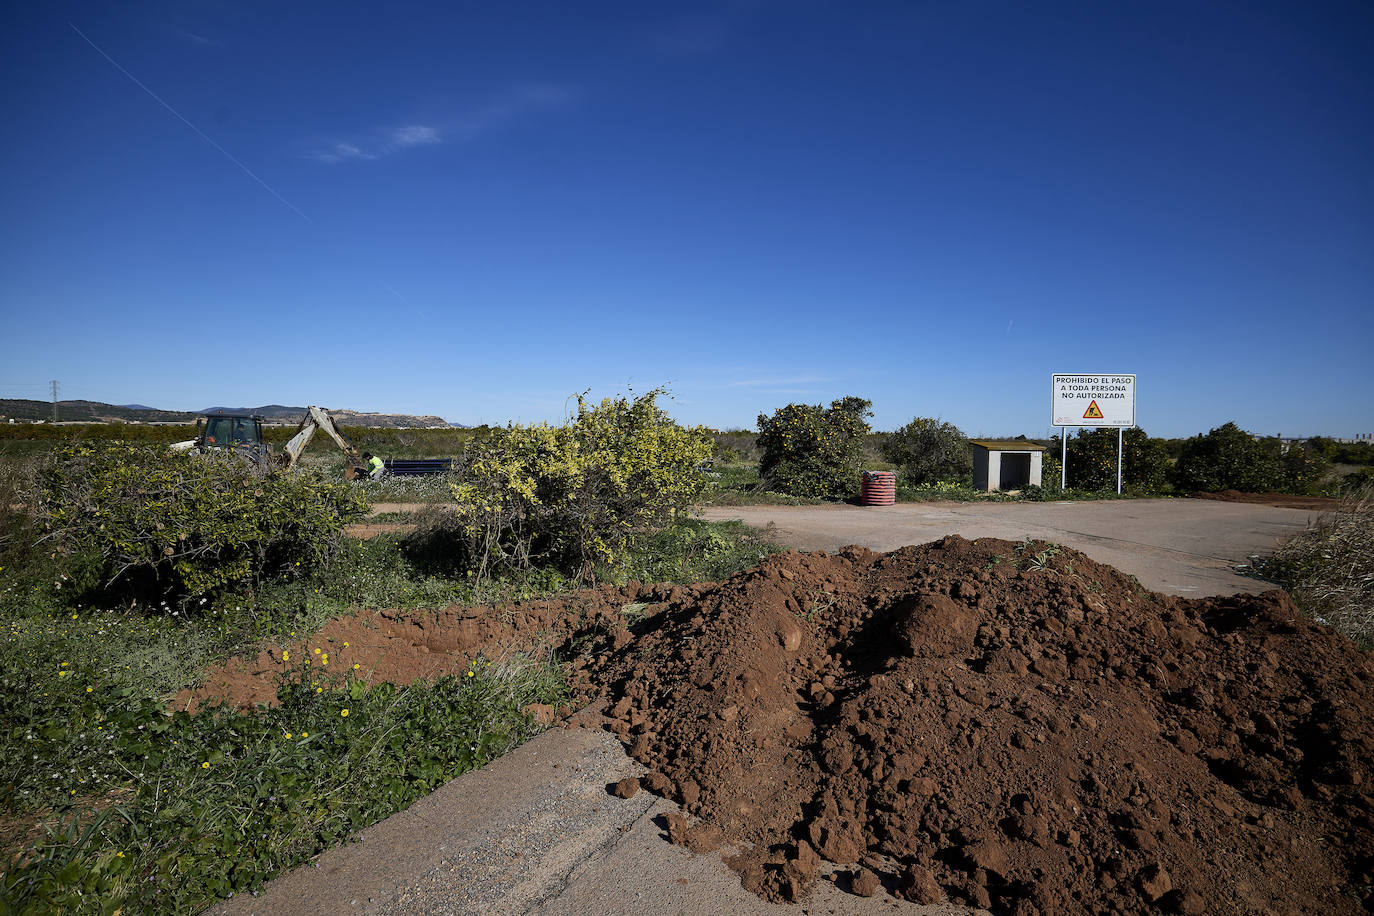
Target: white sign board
{"x": 1093, "y": 400}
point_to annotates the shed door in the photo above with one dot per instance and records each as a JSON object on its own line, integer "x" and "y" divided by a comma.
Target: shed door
{"x": 1015, "y": 471}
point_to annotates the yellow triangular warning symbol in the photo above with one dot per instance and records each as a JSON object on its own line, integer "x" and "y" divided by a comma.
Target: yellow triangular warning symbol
{"x": 1093, "y": 412}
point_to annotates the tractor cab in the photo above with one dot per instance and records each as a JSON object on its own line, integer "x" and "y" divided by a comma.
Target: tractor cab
{"x": 240, "y": 433}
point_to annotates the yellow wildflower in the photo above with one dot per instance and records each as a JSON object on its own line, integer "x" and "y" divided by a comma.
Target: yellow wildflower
{"x": 343, "y": 712}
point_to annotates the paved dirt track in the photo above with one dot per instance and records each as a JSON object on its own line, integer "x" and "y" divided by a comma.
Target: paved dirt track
{"x": 537, "y": 831}
{"x": 1185, "y": 547}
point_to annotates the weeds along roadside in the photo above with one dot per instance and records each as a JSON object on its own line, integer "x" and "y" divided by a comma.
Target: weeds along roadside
{"x": 111, "y": 801}
{"x": 168, "y": 813}
{"x": 1329, "y": 568}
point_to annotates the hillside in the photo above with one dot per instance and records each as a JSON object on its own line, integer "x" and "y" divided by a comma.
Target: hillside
{"x": 88, "y": 412}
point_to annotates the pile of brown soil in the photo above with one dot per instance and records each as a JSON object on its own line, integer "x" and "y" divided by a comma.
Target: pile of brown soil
{"x": 1006, "y": 725}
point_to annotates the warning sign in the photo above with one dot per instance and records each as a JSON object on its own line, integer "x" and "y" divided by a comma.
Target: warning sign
{"x": 1092, "y": 400}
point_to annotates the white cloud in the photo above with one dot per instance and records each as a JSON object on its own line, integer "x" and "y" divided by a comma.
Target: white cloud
{"x": 415, "y": 135}
{"x": 465, "y": 126}
{"x": 342, "y": 152}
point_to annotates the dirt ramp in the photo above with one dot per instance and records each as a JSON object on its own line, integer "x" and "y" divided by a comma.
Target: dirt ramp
{"x": 1005, "y": 725}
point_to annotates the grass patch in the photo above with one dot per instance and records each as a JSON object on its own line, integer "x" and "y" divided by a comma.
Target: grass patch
{"x": 218, "y": 803}
{"x": 1329, "y": 569}
{"x": 741, "y": 485}
{"x": 429, "y": 488}
{"x": 693, "y": 550}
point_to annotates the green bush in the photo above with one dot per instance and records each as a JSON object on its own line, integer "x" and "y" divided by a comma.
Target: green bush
{"x": 576, "y": 496}
{"x": 1361, "y": 452}
{"x": 187, "y": 524}
{"x": 813, "y": 451}
{"x": 1227, "y": 458}
{"x": 927, "y": 449}
{"x": 1093, "y": 454}
{"x": 1302, "y": 469}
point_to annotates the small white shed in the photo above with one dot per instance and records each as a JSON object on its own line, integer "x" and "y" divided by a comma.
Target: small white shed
{"x": 1006, "y": 464}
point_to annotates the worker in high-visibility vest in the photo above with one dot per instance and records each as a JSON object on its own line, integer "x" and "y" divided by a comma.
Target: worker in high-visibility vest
{"x": 375, "y": 466}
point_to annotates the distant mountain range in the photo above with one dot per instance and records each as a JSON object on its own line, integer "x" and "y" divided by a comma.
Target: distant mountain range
{"x": 98, "y": 412}
{"x": 270, "y": 412}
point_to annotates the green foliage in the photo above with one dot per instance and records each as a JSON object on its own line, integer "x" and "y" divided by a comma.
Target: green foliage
{"x": 692, "y": 550}
{"x": 19, "y": 531}
{"x": 1227, "y": 458}
{"x": 188, "y": 524}
{"x": 1361, "y": 452}
{"x": 1092, "y": 461}
{"x": 576, "y": 496}
{"x": 735, "y": 446}
{"x": 1051, "y": 474}
{"x": 199, "y": 807}
{"x": 812, "y": 451}
{"x": 388, "y": 442}
{"x": 1302, "y": 469}
{"x": 927, "y": 449}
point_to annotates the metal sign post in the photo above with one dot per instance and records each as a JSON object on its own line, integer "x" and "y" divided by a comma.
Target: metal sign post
{"x": 1063, "y": 457}
{"x": 1119, "y": 453}
{"x": 1091, "y": 400}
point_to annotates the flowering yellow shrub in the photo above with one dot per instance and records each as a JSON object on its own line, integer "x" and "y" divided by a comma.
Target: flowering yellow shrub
{"x": 577, "y": 495}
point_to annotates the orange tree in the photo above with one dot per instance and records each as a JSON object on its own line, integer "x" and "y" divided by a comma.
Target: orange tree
{"x": 810, "y": 450}
{"x": 1092, "y": 461}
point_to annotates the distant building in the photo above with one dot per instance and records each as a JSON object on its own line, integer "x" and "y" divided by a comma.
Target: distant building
{"x": 1006, "y": 464}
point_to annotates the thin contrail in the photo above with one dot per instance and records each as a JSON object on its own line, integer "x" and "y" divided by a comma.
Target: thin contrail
{"x": 200, "y": 133}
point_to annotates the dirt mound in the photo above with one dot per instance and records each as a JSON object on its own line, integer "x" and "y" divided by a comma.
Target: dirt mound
{"x": 1005, "y": 725}
{"x": 1281, "y": 500}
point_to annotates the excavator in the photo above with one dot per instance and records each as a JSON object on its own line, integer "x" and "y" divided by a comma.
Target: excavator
{"x": 241, "y": 434}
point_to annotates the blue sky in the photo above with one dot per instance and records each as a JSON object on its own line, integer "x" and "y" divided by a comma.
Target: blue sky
{"x": 477, "y": 210}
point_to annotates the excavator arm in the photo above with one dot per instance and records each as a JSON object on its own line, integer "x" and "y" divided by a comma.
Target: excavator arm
{"x": 317, "y": 418}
